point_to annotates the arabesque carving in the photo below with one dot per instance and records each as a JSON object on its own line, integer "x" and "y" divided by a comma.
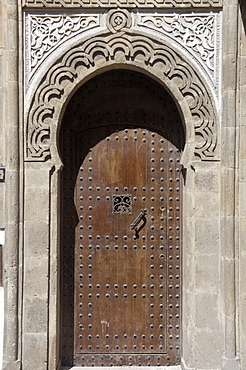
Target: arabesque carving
{"x": 133, "y": 49}
{"x": 123, "y": 3}
{"x": 44, "y": 32}
{"x": 196, "y": 33}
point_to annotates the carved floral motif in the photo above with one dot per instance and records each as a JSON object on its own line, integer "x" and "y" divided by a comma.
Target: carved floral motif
{"x": 74, "y": 65}
{"x": 46, "y": 32}
{"x": 118, "y": 20}
{"x": 196, "y": 33}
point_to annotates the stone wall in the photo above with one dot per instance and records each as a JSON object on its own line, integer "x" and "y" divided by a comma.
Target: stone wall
{"x": 242, "y": 190}
{"x": 208, "y": 87}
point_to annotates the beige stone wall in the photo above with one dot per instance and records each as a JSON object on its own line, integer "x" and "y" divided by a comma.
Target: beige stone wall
{"x": 214, "y": 221}
{"x": 201, "y": 262}
{"x": 9, "y": 126}
{"x": 242, "y": 188}
{"x": 2, "y": 134}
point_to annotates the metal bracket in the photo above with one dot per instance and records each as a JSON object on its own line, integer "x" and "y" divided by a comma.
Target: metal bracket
{"x": 2, "y": 174}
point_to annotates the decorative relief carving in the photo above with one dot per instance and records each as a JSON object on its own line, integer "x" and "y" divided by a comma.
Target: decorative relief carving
{"x": 134, "y": 49}
{"x": 118, "y": 20}
{"x": 196, "y": 33}
{"x": 46, "y": 32}
{"x": 122, "y": 3}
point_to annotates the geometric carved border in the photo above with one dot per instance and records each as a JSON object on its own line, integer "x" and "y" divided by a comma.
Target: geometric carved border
{"x": 51, "y": 95}
{"x": 122, "y": 3}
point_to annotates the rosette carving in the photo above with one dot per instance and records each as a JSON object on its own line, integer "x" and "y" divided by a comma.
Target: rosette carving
{"x": 118, "y": 20}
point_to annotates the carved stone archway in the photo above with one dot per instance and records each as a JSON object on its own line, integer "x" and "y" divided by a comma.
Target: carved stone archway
{"x": 117, "y": 47}
{"x": 122, "y": 49}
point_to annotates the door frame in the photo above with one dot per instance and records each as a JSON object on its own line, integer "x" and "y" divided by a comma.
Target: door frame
{"x": 43, "y": 166}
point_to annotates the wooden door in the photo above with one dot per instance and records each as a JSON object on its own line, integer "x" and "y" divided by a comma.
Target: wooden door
{"x": 127, "y": 279}
{"x": 120, "y": 141}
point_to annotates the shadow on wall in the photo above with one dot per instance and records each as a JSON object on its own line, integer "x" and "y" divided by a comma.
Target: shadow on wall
{"x": 243, "y": 13}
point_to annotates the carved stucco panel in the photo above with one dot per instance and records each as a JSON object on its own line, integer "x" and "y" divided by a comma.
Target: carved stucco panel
{"x": 44, "y": 33}
{"x": 134, "y": 49}
{"x": 196, "y": 35}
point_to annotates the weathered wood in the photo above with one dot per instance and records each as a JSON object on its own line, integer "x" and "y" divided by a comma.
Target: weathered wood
{"x": 127, "y": 282}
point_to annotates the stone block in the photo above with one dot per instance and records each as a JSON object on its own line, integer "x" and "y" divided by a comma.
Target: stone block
{"x": 229, "y": 66}
{"x": 189, "y": 204}
{"x": 35, "y": 315}
{"x": 36, "y": 238}
{"x": 35, "y": 351}
{"x": 207, "y": 349}
{"x": 189, "y": 310}
{"x": 207, "y": 180}
{"x": 54, "y": 273}
{"x": 243, "y": 106}
{"x": 242, "y": 323}
{"x": 242, "y": 234}
{"x": 242, "y": 197}
{"x": 12, "y": 65}
{"x": 242, "y": 170}
{"x": 1, "y": 69}
{"x": 12, "y": 115}
{"x": 11, "y": 37}
{"x": 2, "y": 205}
{"x": 227, "y": 191}
{"x": 207, "y": 236}
{"x": 243, "y": 66}
{"x": 228, "y": 143}
{"x": 12, "y": 11}
{"x": 1, "y": 25}
{"x": 242, "y": 270}
{"x": 227, "y": 236}
{"x": 37, "y": 178}
{"x": 36, "y": 204}
{"x": 189, "y": 273}
{"x": 230, "y": 31}
{"x": 207, "y": 205}
{"x": 207, "y": 273}
{"x": 207, "y": 311}
{"x": 188, "y": 235}
{"x": 36, "y": 276}
{"x": 242, "y": 145}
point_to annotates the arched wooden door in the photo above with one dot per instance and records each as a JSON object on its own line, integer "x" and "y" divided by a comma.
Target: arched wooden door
{"x": 123, "y": 176}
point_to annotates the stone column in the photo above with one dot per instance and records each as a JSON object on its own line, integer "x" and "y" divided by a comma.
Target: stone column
{"x": 11, "y": 119}
{"x": 229, "y": 144}
{"x": 242, "y": 188}
{"x": 36, "y": 266}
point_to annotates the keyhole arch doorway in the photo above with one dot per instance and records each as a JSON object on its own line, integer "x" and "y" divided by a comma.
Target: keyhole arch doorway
{"x": 121, "y": 140}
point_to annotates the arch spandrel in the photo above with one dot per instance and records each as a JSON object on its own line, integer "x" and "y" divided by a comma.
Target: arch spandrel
{"x": 122, "y": 49}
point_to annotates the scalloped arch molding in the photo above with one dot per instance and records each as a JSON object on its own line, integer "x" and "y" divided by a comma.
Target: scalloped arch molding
{"x": 122, "y": 49}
